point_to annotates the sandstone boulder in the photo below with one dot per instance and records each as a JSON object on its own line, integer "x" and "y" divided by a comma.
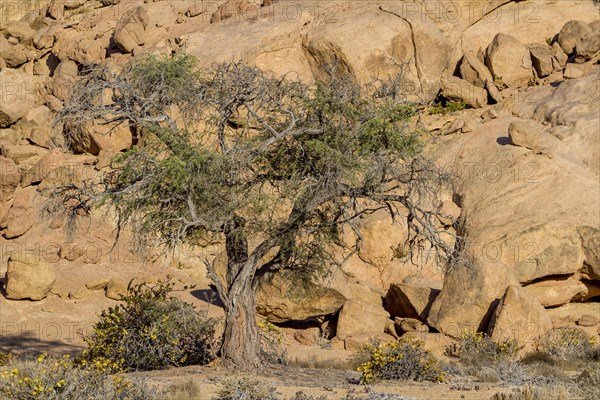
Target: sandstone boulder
{"x": 474, "y": 71}
{"x": 21, "y": 216}
{"x": 13, "y": 55}
{"x": 469, "y": 296}
{"x": 359, "y": 318}
{"x": 541, "y": 59}
{"x": 116, "y": 289}
{"x": 405, "y": 325}
{"x": 21, "y": 92}
{"x": 520, "y": 317}
{"x": 557, "y": 292}
{"x": 509, "y": 60}
{"x": 559, "y": 55}
{"x": 458, "y": 89}
{"x": 95, "y": 136}
{"x": 410, "y": 301}
{"x": 10, "y": 176}
{"x": 130, "y": 32}
{"x": 590, "y": 238}
{"x": 526, "y": 134}
{"x": 571, "y": 33}
{"x": 587, "y": 47}
{"x": 27, "y": 279}
{"x": 280, "y": 301}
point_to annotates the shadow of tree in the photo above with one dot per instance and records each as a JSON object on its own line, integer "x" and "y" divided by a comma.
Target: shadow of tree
{"x": 29, "y": 343}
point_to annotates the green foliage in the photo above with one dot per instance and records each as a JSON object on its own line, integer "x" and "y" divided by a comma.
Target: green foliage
{"x": 246, "y": 389}
{"x": 404, "y": 359}
{"x": 478, "y": 348}
{"x": 444, "y": 106}
{"x": 50, "y": 378}
{"x": 565, "y": 344}
{"x": 151, "y": 330}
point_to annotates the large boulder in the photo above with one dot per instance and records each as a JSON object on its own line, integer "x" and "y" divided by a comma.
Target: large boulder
{"x": 130, "y": 32}
{"x": 556, "y": 292}
{"x": 21, "y": 216}
{"x": 94, "y": 136}
{"x": 571, "y": 33}
{"x": 520, "y": 317}
{"x": 541, "y": 59}
{"x": 279, "y": 300}
{"x": 358, "y": 318}
{"x": 19, "y": 93}
{"x": 590, "y": 239}
{"x": 474, "y": 71}
{"x": 410, "y": 300}
{"x": 13, "y": 55}
{"x": 469, "y": 296}
{"x": 509, "y": 60}
{"x": 28, "y": 278}
{"x": 587, "y": 47}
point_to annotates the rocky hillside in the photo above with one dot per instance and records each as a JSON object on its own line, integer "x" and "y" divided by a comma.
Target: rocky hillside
{"x": 526, "y": 150}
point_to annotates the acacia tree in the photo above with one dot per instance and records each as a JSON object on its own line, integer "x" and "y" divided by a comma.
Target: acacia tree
{"x": 272, "y": 166}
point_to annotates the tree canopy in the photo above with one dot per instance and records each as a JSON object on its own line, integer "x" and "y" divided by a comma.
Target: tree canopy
{"x": 273, "y": 166}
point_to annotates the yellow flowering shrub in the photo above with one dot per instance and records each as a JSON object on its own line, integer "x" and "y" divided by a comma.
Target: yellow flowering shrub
{"x": 566, "y": 343}
{"x": 151, "y": 329}
{"x": 476, "y": 347}
{"x": 272, "y": 349}
{"x": 53, "y": 378}
{"x": 404, "y": 359}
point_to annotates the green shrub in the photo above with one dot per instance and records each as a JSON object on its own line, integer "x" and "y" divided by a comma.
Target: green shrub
{"x": 445, "y": 106}
{"x": 564, "y": 344}
{"x": 478, "y": 348}
{"x": 404, "y": 359}
{"x": 49, "y": 378}
{"x": 151, "y": 330}
{"x": 246, "y": 389}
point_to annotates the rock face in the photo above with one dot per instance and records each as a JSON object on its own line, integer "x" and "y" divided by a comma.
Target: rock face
{"x": 27, "y": 278}
{"x": 94, "y": 136}
{"x": 10, "y": 177}
{"x": 279, "y": 302}
{"x": 130, "y": 32}
{"x": 509, "y": 60}
{"x": 519, "y": 317}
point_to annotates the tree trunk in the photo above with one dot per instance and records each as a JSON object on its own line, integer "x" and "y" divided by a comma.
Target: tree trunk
{"x": 241, "y": 341}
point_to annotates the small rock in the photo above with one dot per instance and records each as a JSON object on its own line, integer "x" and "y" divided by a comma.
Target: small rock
{"x": 588, "y": 320}
{"x": 115, "y": 289}
{"x": 404, "y": 325}
{"x": 559, "y": 55}
{"x": 80, "y": 294}
{"x": 488, "y": 115}
{"x": 97, "y": 284}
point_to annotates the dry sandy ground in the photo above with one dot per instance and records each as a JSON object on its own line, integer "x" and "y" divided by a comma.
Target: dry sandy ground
{"x": 333, "y": 383}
